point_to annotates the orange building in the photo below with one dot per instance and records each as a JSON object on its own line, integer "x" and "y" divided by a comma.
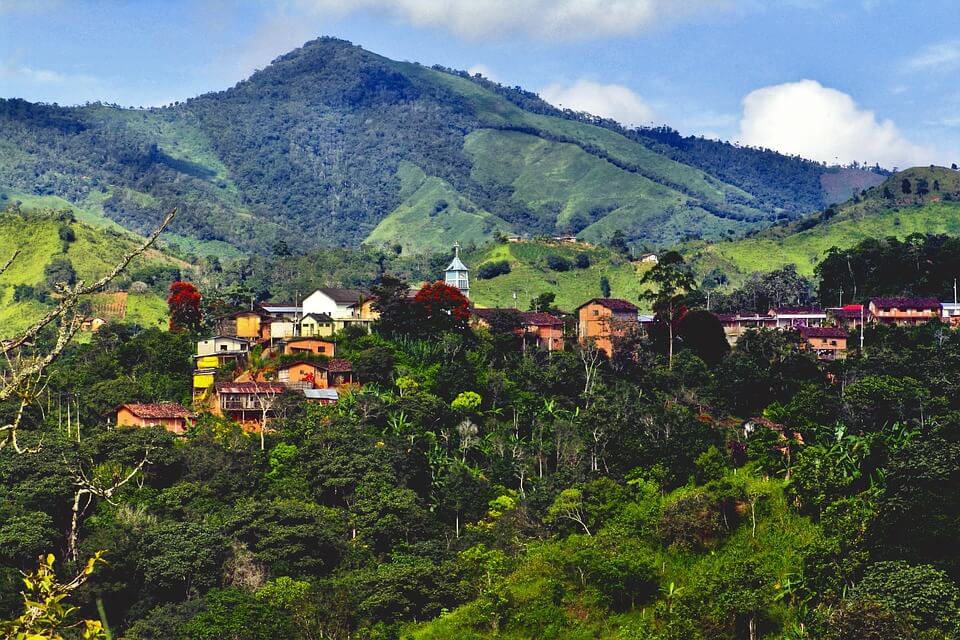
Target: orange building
{"x": 543, "y": 330}
{"x": 303, "y": 346}
{"x": 904, "y": 311}
{"x": 244, "y": 402}
{"x": 602, "y": 319}
{"x": 315, "y": 375}
{"x": 169, "y": 415}
{"x": 829, "y": 343}
{"x": 250, "y": 325}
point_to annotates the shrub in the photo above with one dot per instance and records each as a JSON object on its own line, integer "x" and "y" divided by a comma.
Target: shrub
{"x": 491, "y": 270}
{"x": 582, "y": 261}
{"x": 919, "y": 593}
{"x": 558, "y": 263}
{"x": 692, "y": 522}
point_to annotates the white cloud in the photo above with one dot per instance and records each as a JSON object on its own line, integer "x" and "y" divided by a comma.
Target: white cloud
{"x": 943, "y": 56}
{"x": 483, "y": 70}
{"x": 807, "y": 119}
{"x": 543, "y": 19}
{"x": 607, "y": 100}
{"x": 11, "y": 70}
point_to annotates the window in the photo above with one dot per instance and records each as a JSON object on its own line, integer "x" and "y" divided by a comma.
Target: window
{"x": 596, "y": 312}
{"x": 321, "y": 349}
{"x": 223, "y": 347}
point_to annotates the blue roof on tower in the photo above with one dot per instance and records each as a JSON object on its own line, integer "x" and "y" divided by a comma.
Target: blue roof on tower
{"x": 457, "y": 265}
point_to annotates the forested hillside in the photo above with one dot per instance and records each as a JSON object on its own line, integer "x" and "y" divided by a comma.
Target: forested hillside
{"x": 333, "y": 145}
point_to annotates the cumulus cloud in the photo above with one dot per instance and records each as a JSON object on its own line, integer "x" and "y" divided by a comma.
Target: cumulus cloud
{"x": 943, "y": 56}
{"x": 483, "y": 70}
{"x": 807, "y": 119}
{"x": 543, "y": 19}
{"x": 607, "y": 100}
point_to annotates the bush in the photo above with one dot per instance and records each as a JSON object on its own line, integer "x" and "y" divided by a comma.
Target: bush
{"x": 582, "y": 261}
{"x": 921, "y": 594}
{"x": 692, "y": 522}
{"x": 558, "y": 263}
{"x": 491, "y": 270}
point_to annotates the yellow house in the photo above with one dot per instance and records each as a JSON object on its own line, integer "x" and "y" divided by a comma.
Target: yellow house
{"x": 316, "y": 325}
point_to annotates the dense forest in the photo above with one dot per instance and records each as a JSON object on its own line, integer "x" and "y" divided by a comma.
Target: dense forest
{"x": 473, "y": 489}
{"x": 328, "y": 136}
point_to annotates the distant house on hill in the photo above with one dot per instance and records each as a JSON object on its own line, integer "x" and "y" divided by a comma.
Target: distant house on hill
{"x": 171, "y": 416}
{"x": 735, "y": 324}
{"x": 213, "y": 353}
{"x": 316, "y": 325}
{"x": 345, "y": 307}
{"x": 317, "y": 346}
{"x": 828, "y": 343}
{"x": 244, "y": 402}
{"x": 650, "y": 258}
{"x": 316, "y": 375}
{"x": 786, "y": 317}
{"x": 849, "y": 316}
{"x": 602, "y": 319}
{"x": 905, "y": 311}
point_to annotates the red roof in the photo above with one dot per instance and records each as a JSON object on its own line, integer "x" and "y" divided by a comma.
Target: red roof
{"x": 614, "y": 304}
{"x": 541, "y": 319}
{"x": 848, "y": 311}
{"x": 337, "y": 365}
{"x": 158, "y": 410}
{"x": 795, "y": 311}
{"x": 822, "y": 332}
{"x": 492, "y": 314}
{"x": 249, "y": 387}
{"x": 924, "y": 304}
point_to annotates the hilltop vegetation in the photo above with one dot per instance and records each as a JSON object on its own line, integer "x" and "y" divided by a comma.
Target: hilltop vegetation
{"x": 55, "y": 246}
{"x": 332, "y": 145}
{"x": 881, "y": 211}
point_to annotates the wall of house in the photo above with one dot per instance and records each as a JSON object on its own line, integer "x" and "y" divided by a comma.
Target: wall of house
{"x": 298, "y": 373}
{"x": 213, "y": 346}
{"x": 319, "y": 302}
{"x": 248, "y": 326}
{"x": 126, "y": 418}
{"x": 320, "y": 347}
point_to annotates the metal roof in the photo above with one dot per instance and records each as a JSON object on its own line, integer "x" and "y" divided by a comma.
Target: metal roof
{"x": 321, "y": 394}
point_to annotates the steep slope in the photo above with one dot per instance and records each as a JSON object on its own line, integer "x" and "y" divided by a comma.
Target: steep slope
{"x": 24, "y": 289}
{"x": 319, "y": 149}
{"x": 531, "y": 276}
{"x": 884, "y": 210}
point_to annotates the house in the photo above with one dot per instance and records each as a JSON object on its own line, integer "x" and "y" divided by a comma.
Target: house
{"x": 318, "y": 346}
{"x": 244, "y": 402}
{"x": 565, "y": 239}
{"x": 787, "y": 317}
{"x": 303, "y": 374}
{"x": 602, "y": 319}
{"x": 171, "y": 416}
{"x": 514, "y": 238}
{"x": 213, "y": 353}
{"x": 649, "y": 258}
{"x": 828, "y": 343}
{"x": 249, "y": 325}
{"x": 92, "y": 324}
{"x": 539, "y": 329}
{"x": 316, "y": 324}
{"x": 904, "y": 311}
{"x": 283, "y": 310}
{"x": 345, "y": 307}
{"x": 735, "y": 324}
{"x": 950, "y": 313}
{"x": 849, "y": 316}
{"x": 457, "y": 275}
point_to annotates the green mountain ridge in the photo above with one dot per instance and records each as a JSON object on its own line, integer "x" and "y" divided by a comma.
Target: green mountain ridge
{"x": 319, "y": 148}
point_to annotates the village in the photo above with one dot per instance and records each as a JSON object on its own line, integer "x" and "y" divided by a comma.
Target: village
{"x": 280, "y": 347}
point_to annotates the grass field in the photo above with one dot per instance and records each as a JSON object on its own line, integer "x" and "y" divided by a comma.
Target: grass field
{"x": 530, "y": 276}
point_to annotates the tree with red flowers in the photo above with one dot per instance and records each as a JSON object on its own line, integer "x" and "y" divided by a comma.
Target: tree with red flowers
{"x": 184, "y": 305}
{"x": 442, "y": 307}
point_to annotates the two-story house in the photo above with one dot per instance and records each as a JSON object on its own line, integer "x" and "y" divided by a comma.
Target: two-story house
{"x": 244, "y": 402}
{"x": 904, "y": 311}
{"x": 787, "y": 317}
{"x": 828, "y": 343}
{"x": 249, "y": 325}
{"x": 602, "y": 320}
{"x": 213, "y": 353}
{"x": 171, "y": 416}
{"x": 537, "y": 329}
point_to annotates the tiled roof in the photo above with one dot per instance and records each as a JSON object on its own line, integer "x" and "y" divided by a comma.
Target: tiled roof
{"x": 491, "y": 314}
{"x": 906, "y": 303}
{"x": 822, "y": 332}
{"x": 249, "y": 387}
{"x": 541, "y": 318}
{"x": 797, "y": 311}
{"x": 343, "y": 296}
{"x": 614, "y": 304}
{"x": 848, "y": 311}
{"x": 158, "y": 410}
{"x": 336, "y": 365}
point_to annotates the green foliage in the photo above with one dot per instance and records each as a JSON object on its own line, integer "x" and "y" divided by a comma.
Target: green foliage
{"x": 921, "y": 594}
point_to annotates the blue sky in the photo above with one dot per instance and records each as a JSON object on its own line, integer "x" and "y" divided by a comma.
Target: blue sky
{"x": 835, "y": 80}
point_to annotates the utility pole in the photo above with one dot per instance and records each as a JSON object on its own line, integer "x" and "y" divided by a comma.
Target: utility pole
{"x": 841, "y": 296}
{"x": 861, "y": 330}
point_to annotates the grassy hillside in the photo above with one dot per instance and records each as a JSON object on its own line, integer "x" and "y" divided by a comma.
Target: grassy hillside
{"x": 322, "y": 146}
{"x": 530, "y": 276}
{"x": 884, "y": 211}
{"x": 92, "y": 253}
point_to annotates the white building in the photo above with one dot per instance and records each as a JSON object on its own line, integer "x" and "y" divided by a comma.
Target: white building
{"x": 457, "y": 275}
{"x": 339, "y": 304}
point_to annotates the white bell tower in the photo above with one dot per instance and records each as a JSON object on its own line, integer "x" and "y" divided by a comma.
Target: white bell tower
{"x": 457, "y": 275}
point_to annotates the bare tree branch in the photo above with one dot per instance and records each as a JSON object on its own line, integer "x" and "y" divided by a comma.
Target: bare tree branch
{"x": 10, "y": 261}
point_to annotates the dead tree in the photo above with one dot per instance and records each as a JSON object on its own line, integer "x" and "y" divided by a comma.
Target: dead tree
{"x": 25, "y": 380}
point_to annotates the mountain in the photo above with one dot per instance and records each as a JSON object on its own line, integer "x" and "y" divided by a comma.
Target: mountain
{"x": 53, "y": 245}
{"x": 332, "y": 145}
{"x": 923, "y": 200}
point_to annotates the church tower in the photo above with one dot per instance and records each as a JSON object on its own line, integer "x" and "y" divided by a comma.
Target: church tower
{"x": 457, "y": 274}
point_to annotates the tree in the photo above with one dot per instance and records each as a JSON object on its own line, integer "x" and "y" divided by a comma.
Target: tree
{"x": 582, "y": 261}
{"x": 544, "y": 302}
{"x": 184, "y": 305}
{"x": 905, "y": 186}
{"x": 618, "y": 244}
{"x": 558, "y": 263}
{"x": 605, "y": 286}
{"x": 673, "y": 282}
{"x": 60, "y": 271}
{"x": 442, "y": 307}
